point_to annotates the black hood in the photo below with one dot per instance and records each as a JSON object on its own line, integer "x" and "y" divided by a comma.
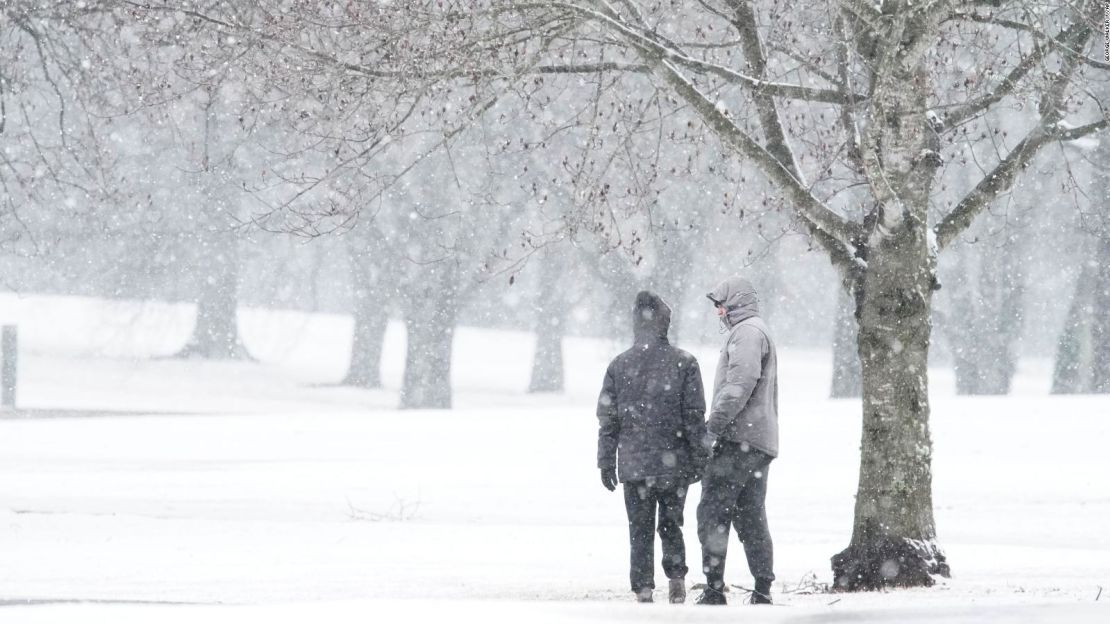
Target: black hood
{"x": 651, "y": 317}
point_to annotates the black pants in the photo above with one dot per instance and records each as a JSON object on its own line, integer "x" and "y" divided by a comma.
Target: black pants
{"x": 642, "y": 499}
{"x": 734, "y": 491}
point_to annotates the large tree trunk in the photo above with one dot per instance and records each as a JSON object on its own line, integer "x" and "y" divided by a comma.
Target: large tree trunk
{"x": 893, "y": 538}
{"x": 846, "y": 381}
{"x": 215, "y": 334}
{"x": 894, "y": 535}
{"x": 371, "y": 319}
{"x": 551, "y": 313}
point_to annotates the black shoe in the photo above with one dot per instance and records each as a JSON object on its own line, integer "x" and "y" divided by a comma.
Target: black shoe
{"x": 644, "y": 595}
{"x": 711, "y": 597}
{"x": 677, "y": 591}
{"x": 762, "y": 593}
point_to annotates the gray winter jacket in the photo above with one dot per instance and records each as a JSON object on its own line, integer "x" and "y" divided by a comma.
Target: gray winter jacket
{"x": 651, "y": 411}
{"x": 745, "y": 390}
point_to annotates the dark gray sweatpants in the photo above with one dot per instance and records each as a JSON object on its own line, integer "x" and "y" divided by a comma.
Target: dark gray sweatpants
{"x": 734, "y": 491}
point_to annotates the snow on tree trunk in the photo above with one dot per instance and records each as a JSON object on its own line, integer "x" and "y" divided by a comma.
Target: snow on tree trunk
{"x": 846, "y": 368}
{"x": 371, "y": 319}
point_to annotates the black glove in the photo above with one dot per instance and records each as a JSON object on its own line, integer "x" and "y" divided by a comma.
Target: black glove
{"x": 609, "y": 478}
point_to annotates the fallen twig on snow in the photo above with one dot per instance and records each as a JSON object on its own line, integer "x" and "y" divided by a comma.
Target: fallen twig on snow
{"x": 400, "y": 511}
{"x": 807, "y": 585}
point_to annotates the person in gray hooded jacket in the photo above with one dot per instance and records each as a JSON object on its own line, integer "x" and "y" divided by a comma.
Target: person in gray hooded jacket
{"x": 744, "y": 437}
{"x": 651, "y": 423}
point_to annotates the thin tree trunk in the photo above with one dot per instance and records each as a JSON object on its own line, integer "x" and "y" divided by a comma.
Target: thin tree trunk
{"x": 1100, "y": 312}
{"x": 1071, "y": 374}
{"x": 964, "y": 324}
{"x": 371, "y": 319}
{"x": 1006, "y": 274}
{"x": 1100, "y": 321}
{"x": 846, "y": 382}
{"x": 670, "y": 276}
{"x": 551, "y": 311}
{"x": 547, "y": 364}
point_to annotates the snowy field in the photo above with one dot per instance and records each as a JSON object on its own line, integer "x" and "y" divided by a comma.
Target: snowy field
{"x": 138, "y": 489}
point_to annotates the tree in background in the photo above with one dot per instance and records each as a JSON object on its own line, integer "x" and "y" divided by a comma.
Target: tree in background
{"x": 552, "y": 307}
{"x": 60, "y": 85}
{"x": 986, "y": 317}
{"x": 210, "y": 165}
{"x": 369, "y": 271}
{"x": 1083, "y": 350}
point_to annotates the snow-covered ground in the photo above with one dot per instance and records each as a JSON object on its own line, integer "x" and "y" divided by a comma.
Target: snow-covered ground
{"x": 139, "y": 490}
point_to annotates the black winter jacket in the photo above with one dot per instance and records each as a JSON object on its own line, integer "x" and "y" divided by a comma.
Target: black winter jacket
{"x": 652, "y": 405}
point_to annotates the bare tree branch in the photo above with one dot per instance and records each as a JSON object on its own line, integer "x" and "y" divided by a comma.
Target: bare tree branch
{"x": 1050, "y": 127}
{"x": 1010, "y": 82}
{"x": 662, "y": 49}
{"x": 1002, "y": 177}
{"x": 1054, "y": 42}
{"x": 838, "y": 232}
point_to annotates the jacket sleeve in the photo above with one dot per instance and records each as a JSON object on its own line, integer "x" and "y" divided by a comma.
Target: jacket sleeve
{"x": 693, "y": 411}
{"x": 744, "y": 368}
{"x": 609, "y": 426}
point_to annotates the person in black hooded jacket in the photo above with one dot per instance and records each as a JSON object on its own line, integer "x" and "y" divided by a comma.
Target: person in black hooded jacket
{"x": 651, "y": 414}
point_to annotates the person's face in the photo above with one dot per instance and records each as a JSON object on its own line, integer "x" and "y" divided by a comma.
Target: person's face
{"x": 720, "y": 311}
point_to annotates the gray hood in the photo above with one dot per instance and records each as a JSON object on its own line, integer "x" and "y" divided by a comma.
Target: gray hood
{"x": 651, "y": 317}
{"x": 739, "y": 298}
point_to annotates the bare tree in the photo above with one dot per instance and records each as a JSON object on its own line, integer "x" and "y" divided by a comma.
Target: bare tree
{"x": 58, "y": 81}
{"x": 820, "y": 97}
